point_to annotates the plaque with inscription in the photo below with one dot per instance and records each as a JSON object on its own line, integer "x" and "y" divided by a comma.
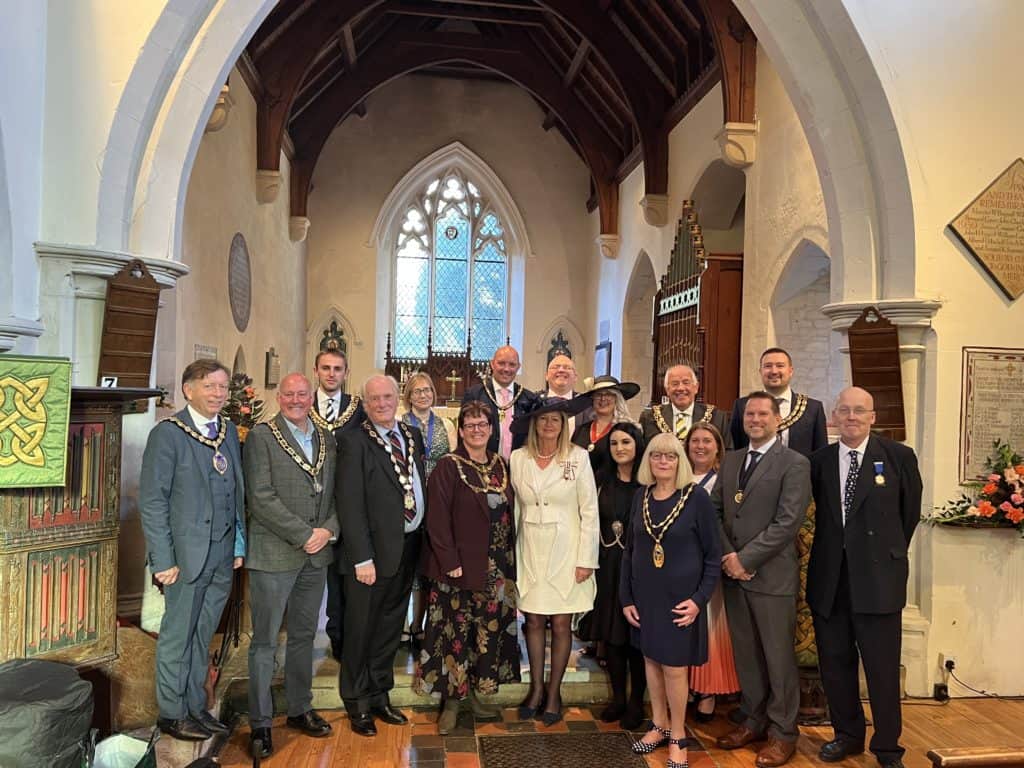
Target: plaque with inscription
{"x": 992, "y": 229}
{"x": 993, "y": 385}
{"x": 239, "y": 281}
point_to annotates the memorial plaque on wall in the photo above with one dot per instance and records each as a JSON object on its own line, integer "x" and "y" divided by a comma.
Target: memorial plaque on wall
{"x": 129, "y": 327}
{"x": 239, "y": 281}
{"x": 993, "y": 385}
{"x": 992, "y": 229}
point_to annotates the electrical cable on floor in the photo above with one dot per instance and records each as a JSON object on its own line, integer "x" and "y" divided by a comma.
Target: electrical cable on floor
{"x": 952, "y": 674}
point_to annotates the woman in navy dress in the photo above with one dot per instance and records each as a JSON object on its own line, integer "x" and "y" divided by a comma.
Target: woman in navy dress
{"x": 670, "y": 566}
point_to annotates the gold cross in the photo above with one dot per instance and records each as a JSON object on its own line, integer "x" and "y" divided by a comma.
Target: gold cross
{"x": 453, "y": 379}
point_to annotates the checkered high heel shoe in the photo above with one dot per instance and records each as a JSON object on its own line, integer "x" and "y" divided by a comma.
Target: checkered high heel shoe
{"x": 645, "y": 748}
{"x": 682, "y": 744}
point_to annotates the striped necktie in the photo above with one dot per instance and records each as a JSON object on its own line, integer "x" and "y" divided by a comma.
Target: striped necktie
{"x": 399, "y": 454}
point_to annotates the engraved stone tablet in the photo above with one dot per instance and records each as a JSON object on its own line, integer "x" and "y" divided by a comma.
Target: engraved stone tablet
{"x": 239, "y": 281}
{"x": 993, "y": 384}
{"x": 992, "y": 229}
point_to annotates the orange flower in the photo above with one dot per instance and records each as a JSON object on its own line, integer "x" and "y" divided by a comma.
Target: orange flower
{"x": 1019, "y": 469}
{"x": 989, "y": 489}
{"x": 986, "y": 509}
{"x": 1015, "y": 515}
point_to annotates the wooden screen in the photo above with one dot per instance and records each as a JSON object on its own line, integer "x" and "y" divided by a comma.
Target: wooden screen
{"x": 450, "y": 371}
{"x": 697, "y": 313}
{"x": 875, "y": 366}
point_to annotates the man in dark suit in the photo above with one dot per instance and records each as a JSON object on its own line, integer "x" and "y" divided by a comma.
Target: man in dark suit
{"x": 868, "y": 493}
{"x": 334, "y": 411}
{"x": 762, "y": 497}
{"x": 803, "y": 418}
{"x": 381, "y": 501}
{"x": 289, "y": 474}
{"x": 506, "y": 398}
{"x": 191, "y": 501}
{"x": 683, "y": 411}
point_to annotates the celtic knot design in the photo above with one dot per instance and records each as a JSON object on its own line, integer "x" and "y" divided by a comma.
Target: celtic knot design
{"x": 26, "y": 421}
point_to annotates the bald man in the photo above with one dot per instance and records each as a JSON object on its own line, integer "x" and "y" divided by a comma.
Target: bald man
{"x": 867, "y": 489}
{"x": 506, "y": 399}
{"x": 682, "y": 410}
{"x": 289, "y": 474}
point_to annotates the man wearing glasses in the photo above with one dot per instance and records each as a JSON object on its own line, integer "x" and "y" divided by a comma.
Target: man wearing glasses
{"x": 868, "y": 494}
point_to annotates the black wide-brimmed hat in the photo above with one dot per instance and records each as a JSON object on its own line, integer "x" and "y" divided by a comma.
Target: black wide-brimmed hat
{"x": 627, "y": 389}
{"x": 521, "y": 424}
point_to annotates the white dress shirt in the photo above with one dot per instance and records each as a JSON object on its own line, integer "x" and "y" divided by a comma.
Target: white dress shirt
{"x": 844, "y": 469}
{"x": 761, "y": 450}
{"x": 688, "y": 413}
{"x": 785, "y": 407}
{"x": 321, "y": 402}
{"x": 201, "y": 422}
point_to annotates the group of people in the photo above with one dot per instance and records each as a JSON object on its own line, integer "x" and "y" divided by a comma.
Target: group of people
{"x": 672, "y": 553}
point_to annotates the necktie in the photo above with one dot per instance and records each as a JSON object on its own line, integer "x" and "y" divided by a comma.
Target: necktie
{"x": 211, "y": 429}
{"x": 851, "y": 486}
{"x": 504, "y": 398}
{"x": 681, "y": 425}
{"x": 399, "y": 454}
{"x": 755, "y": 456}
{"x": 329, "y": 409}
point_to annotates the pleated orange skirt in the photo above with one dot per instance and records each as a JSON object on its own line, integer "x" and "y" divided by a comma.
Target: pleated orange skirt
{"x": 718, "y": 675}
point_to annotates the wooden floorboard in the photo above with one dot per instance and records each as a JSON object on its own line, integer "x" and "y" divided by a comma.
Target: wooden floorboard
{"x": 960, "y": 723}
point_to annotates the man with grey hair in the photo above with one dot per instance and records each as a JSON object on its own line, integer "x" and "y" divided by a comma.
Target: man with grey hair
{"x": 682, "y": 410}
{"x": 381, "y": 500}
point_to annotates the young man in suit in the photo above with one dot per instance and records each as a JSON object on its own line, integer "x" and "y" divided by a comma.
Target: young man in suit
{"x": 683, "y": 411}
{"x": 803, "y": 418}
{"x": 289, "y": 473}
{"x": 868, "y": 494}
{"x": 334, "y": 411}
{"x": 762, "y": 497}
{"x": 381, "y": 501}
{"x": 506, "y": 398}
{"x": 191, "y": 501}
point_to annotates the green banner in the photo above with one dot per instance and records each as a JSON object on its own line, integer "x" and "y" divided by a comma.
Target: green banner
{"x": 35, "y": 402}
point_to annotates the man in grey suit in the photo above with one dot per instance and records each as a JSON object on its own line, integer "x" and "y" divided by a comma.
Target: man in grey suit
{"x": 289, "y": 480}
{"x": 191, "y": 501}
{"x": 762, "y": 497}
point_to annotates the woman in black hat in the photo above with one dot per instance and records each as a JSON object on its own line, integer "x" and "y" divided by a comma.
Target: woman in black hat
{"x": 557, "y": 540}
{"x": 609, "y": 398}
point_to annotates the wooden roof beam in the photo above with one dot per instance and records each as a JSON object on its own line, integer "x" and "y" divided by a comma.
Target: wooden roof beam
{"x": 348, "y": 47}
{"x": 578, "y": 60}
{"x": 480, "y": 15}
{"x": 737, "y": 55}
{"x": 642, "y": 51}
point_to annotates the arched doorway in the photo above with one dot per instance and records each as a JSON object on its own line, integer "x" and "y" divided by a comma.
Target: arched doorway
{"x": 637, "y": 347}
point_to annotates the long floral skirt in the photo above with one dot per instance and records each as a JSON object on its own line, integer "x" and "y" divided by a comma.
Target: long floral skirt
{"x": 470, "y": 636}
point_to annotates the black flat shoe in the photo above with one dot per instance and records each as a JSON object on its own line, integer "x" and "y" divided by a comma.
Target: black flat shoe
{"x": 260, "y": 744}
{"x": 362, "y": 724}
{"x": 186, "y": 729}
{"x": 839, "y": 749}
{"x": 310, "y": 723}
{"x": 550, "y": 718}
{"x": 389, "y": 715}
{"x": 644, "y": 748}
{"x": 703, "y": 717}
{"x": 209, "y": 722}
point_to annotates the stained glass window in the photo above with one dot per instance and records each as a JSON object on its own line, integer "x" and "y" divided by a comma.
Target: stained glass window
{"x": 451, "y": 272}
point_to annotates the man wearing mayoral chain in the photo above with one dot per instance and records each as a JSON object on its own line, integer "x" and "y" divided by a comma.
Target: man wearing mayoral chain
{"x": 506, "y": 398}
{"x": 191, "y": 501}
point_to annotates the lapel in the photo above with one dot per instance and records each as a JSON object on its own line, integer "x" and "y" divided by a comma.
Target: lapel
{"x": 766, "y": 460}
{"x": 286, "y": 432}
{"x": 381, "y": 455}
{"x": 866, "y": 475}
{"x": 831, "y": 480}
{"x": 666, "y": 414}
{"x": 699, "y": 409}
{"x": 198, "y": 449}
{"x": 480, "y": 499}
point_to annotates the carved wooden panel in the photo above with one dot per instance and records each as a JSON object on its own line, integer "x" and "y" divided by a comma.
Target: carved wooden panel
{"x": 875, "y": 366}
{"x": 129, "y": 326}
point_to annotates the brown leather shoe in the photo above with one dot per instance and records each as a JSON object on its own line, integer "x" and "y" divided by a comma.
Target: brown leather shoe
{"x": 775, "y": 753}
{"x": 738, "y": 737}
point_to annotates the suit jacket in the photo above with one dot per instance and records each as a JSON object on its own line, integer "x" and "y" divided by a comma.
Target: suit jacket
{"x": 876, "y": 535}
{"x": 806, "y": 436}
{"x": 354, "y": 419}
{"x": 762, "y": 528}
{"x": 370, "y": 500}
{"x": 284, "y": 507}
{"x": 459, "y": 527}
{"x": 525, "y": 401}
{"x": 175, "y": 498}
{"x": 719, "y": 418}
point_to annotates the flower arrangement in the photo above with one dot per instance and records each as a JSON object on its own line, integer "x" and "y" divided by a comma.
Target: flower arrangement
{"x": 243, "y": 407}
{"x": 996, "y": 499}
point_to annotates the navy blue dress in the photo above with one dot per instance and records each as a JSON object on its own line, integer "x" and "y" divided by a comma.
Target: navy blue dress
{"x": 693, "y": 554}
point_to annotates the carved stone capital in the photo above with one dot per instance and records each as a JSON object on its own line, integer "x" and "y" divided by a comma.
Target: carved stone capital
{"x": 298, "y": 228}
{"x": 221, "y": 110}
{"x": 738, "y": 142}
{"x": 268, "y": 184}
{"x": 655, "y": 209}
{"x": 906, "y": 313}
{"x": 89, "y": 261}
{"x": 608, "y": 246}
{"x": 12, "y": 328}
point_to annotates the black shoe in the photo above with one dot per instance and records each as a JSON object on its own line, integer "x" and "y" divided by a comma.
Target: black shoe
{"x": 260, "y": 744}
{"x": 612, "y": 712}
{"x": 526, "y": 712}
{"x": 633, "y": 718}
{"x": 389, "y": 715}
{"x": 703, "y": 717}
{"x": 310, "y": 723}
{"x": 839, "y": 749}
{"x": 737, "y": 716}
{"x": 362, "y": 724}
{"x": 209, "y": 722}
{"x": 186, "y": 729}
{"x": 897, "y": 763}
{"x": 550, "y": 718}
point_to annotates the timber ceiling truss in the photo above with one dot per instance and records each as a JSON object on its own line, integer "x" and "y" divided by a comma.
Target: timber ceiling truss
{"x": 613, "y": 76}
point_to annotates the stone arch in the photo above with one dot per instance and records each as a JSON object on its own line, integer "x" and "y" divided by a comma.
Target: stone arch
{"x": 802, "y": 289}
{"x": 6, "y": 239}
{"x": 582, "y": 355}
{"x": 719, "y": 198}
{"x": 314, "y": 332}
{"x": 637, "y": 346}
{"x": 385, "y": 230}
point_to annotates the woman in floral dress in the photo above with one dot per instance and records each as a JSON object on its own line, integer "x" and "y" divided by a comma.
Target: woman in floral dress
{"x": 470, "y": 645}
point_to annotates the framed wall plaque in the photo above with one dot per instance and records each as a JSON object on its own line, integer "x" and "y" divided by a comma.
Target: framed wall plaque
{"x": 993, "y": 384}
{"x": 239, "y": 281}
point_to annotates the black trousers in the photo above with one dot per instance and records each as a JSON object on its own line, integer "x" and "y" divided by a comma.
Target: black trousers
{"x": 877, "y": 640}
{"x": 335, "y": 607}
{"x": 374, "y": 617}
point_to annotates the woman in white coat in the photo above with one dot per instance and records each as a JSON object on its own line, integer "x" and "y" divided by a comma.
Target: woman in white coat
{"x": 557, "y": 540}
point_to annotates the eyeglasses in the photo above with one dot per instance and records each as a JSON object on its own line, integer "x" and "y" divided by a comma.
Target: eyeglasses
{"x": 480, "y": 426}
{"x": 420, "y": 391}
{"x": 665, "y": 457}
{"x": 859, "y": 411}
{"x": 561, "y": 368}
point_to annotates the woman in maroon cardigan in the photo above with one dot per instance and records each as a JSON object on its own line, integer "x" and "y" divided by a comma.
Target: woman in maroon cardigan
{"x": 470, "y": 645}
